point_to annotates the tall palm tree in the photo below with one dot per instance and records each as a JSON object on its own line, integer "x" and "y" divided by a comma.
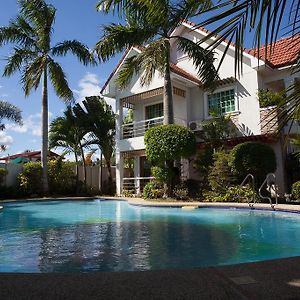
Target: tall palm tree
{"x": 31, "y": 32}
{"x": 67, "y": 134}
{"x": 11, "y": 113}
{"x": 150, "y": 23}
{"x": 98, "y": 118}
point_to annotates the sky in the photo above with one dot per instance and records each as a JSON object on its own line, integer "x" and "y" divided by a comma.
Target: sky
{"x": 74, "y": 20}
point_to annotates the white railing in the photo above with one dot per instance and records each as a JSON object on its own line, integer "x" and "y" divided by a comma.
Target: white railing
{"x": 139, "y": 128}
{"x": 135, "y": 185}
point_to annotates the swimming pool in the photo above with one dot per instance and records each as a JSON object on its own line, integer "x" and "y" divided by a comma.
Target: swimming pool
{"x": 86, "y": 236}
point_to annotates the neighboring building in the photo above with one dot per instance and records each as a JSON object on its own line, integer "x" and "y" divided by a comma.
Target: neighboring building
{"x": 26, "y": 157}
{"x": 237, "y": 97}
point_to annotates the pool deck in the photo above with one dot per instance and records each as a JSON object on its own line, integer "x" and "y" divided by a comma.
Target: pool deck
{"x": 274, "y": 279}
{"x": 277, "y": 279}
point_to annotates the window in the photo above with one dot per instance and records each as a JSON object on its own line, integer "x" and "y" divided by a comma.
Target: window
{"x": 154, "y": 111}
{"x": 222, "y": 102}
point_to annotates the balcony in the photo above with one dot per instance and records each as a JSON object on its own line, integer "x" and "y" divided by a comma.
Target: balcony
{"x": 137, "y": 129}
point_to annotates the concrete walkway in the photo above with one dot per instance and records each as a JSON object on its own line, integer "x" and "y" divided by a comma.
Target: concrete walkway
{"x": 278, "y": 279}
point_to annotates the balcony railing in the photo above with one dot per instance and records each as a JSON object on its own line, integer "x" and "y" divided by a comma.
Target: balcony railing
{"x": 139, "y": 128}
{"x": 135, "y": 185}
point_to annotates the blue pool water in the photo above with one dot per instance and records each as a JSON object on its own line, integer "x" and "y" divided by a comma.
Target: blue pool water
{"x": 85, "y": 236}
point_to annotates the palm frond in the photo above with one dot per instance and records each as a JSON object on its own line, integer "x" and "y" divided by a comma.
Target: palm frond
{"x": 10, "y": 112}
{"x": 17, "y": 59}
{"x": 118, "y": 37}
{"x": 203, "y": 61}
{"x": 76, "y": 48}
{"x": 31, "y": 75}
{"x": 59, "y": 81}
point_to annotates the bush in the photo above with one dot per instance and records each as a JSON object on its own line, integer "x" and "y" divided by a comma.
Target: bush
{"x": 153, "y": 190}
{"x": 60, "y": 175}
{"x": 181, "y": 192}
{"x": 195, "y": 188}
{"x": 3, "y": 173}
{"x": 233, "y": 194}
{"x": 296, "y": 190}
{"x": 255, "y": 158}
{"x": 220, "y": 177}
{"x": 169, "y": 142}
{"x": 162, "y": 174}
{"x": 269, "y": 98}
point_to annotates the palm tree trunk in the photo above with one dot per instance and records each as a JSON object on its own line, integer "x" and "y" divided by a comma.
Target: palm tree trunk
{"x": 168, "y": 93}
{"x": 77, "y": 175}
{"x": 84, "y": 164}
{"x": 44, "y": 151}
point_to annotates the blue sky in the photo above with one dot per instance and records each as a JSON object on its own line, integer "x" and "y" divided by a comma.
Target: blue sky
{"x": 74, "y": 20}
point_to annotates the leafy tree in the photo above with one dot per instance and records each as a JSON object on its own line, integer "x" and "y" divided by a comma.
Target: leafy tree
{"x": 66, "y": 133}
{"x": 97, "y": 117}
{"x": 270, "y": 98}
{"x": 152, "y": 23}
{"x": 33, "y": 55}
{"x": 166, "y": 143}
{"x": 11, "y": 113}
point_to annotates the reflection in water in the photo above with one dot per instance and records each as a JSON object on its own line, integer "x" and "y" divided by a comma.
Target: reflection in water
{"x": 113, "y": 236}
{"x": 131, "y": 246}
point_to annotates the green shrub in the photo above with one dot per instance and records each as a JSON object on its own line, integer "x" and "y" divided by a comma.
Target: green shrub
{"x": 3, "y": 173}
{"x": 153, "y": 190}
{"x": 169, "y": 142}
{"x": 233, "y": 194}
{"x": 60, "y": 175}
{"x": 220, "y": 177}
{"x": 255, "y": 158}
{"x": 269, "y": 98}
{"x": 162, "y": 174}
{"x": 296, "y": 190}
{"x": 181, "y": 192}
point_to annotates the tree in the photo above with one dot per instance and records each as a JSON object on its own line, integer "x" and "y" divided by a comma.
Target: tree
{"x": 11, "y": 113}
{"x": 234, "y": 20}
{"x": 66, "y": 133}
{"x": 31, "y": 33}
{"x": 98, "y": 118}
{"x": 151, "y": 23}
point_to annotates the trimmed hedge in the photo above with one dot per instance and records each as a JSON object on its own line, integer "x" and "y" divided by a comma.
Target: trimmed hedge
{"x": 252, "y": 157}
{"x": 169, "y": 142}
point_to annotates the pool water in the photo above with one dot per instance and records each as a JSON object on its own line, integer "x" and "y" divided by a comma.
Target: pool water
{"x": 86, "y": 236}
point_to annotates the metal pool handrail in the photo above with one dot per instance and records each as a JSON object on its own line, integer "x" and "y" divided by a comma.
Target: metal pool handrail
{"x": 250, "y": 176}
{"x": 269, "y": 184}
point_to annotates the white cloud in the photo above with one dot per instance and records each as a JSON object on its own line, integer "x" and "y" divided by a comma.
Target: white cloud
{"x": 32, "y": 124}
{"x": 90, "y": 85}
{"x": 5, "y": 139}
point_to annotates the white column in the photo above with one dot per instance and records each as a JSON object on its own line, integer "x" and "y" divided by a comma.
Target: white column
{"x": 119, "y": 159}
{"x": 137, "y": 173}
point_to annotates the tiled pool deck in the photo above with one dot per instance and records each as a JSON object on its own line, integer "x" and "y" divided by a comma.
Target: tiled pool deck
{"x": 275, "y": 279}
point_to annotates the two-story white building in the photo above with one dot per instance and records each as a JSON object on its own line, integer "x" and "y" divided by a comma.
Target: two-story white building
{"x": 237, "y": 97}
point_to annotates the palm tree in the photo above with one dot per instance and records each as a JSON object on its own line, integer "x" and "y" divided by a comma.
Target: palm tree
{"x": 11, "y": 113}
{"x": 98, "y": 118}
{"x": 65, "y": 133}
{"x": 151, "y": 23}
{"x": 235, "y": 19}
{"x": 33, "y": 54}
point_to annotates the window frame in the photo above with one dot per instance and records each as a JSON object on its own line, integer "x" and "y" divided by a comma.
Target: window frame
{"x": 219, "y": 90}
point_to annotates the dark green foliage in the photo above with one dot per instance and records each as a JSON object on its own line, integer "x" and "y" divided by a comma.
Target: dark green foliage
{"x": 220, "y": 177}
{"x": 255, "y": 158}
{"x": 162, "y": 174}
{"x": 269, "y": 98}
{"x": 232, "y": 194}
{"x": 153, "y": 190}
{"x": 3, "y": 173}
{"x": 61, "y": 178}
{"x": 296, "y": 190}
{"x": 181, "y": 192}
{"x": 169, "y": 142}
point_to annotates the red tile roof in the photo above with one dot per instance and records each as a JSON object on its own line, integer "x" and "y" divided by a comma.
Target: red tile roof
{"x": 181, "y": 72}
{"x": 282, "y": 53}
{"x": 30, "y": 154}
